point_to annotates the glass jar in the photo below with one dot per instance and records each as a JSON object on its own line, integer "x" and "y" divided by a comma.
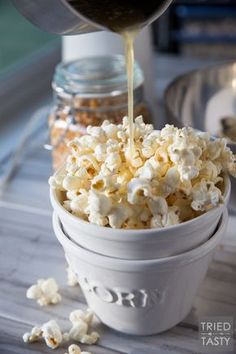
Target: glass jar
{"x": 87, "y": 92}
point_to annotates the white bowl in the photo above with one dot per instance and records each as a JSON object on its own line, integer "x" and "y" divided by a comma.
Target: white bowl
{"x": 140, "y": 296}
{"x": 140, "y": 244}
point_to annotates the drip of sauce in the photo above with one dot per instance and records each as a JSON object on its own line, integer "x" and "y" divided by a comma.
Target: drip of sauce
{"x": 129, "y": 54}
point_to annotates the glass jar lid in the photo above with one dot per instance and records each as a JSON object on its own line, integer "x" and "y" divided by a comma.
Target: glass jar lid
{"x": 95, "y": 77}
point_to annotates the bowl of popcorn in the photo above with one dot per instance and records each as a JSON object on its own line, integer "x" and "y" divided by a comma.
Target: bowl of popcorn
{"x": 140, "y": 297}
{"x": 165, "y": 200}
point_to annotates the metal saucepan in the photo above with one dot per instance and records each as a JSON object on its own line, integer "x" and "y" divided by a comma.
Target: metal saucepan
{"x": 63, "y": 16}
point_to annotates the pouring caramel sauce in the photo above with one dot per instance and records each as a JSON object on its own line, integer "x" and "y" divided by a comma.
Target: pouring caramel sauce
{"x": 127, "y": 18}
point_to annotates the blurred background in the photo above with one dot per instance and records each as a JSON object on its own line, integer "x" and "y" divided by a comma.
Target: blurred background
{"x": 190, "y": 35}
{"x": 27, "y": 60}
{"x": 198, "y": 28}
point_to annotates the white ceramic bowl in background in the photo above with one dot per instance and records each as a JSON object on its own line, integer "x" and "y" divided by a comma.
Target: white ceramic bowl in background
{"x": 140, "y": 244}
{"x": 140, "y": 296}
{"x": 200, "y": 99}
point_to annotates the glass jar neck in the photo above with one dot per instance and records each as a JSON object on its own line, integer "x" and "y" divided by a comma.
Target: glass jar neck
{"x": 94, "y": 77}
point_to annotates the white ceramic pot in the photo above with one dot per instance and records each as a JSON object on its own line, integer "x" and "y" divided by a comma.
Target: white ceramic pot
{"x": 140, "y": 296}
{"x": 140, "y": 244}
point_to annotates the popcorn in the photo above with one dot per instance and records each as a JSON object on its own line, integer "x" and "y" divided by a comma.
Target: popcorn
{"x": 168, "y": 219}
{"x": 81, "y": 322}
{"x": 171, "y": 217}
{"x": 78, "y": 330}
{"x": 33, "y": 336}
{"x": 97, "y": 219}
{"x": 90, "y": 339}
{"x": 97, "y": 132}
{"x": 148, "y": 171}
{"x": 79, "y": 204}
{"x": 208, "y": 170}
{"x": 99, "y": 203}
{"x": 78, "y": 315}
{"x": 145, "y": 214}
{"x": 205, "y": 195}
{"x": 172, "y": 176}
{"x": 51, "y": 333}
{"x": 53, "y": 337}
{"x": 158, "y": 206}
{"x": 45, "y": 292}
{"x": 100, "y": 152}
{"x": 57, "y": 179}
{"x": 73, "y": 183}
{"x": 72, "y": 279}
{"x": 110, "y": 130}
{"x": 185, "y": 153}
{"x": 113, "y": 161}
{"x": 75, "y": 349}
{"x": 156, "y": 222}
{"x": 103, "y": 183}
{"x": 170, "y": 182}
{"x": 138, "y": 189}
{"x": 119, "y": 214}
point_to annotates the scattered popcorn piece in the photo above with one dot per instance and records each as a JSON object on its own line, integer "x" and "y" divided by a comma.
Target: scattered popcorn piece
{"x": 51, "y": 333}
{"x": 173, "y": 176}
{"x": 78, "y": 330}
{"x": 72, "y": 279}
{"x": 74, "y": 349}
{"x": 76, "y": 316}
{"x": 45, "y": 292}
{"x": 81, "y": 321}
{"x": 90, "y": 339}
{"x": 53, "y": 337}
{"x": 33, "y": 336}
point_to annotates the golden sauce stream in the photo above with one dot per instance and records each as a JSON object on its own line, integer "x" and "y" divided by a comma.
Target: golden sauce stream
{"x": 129, "y": 54}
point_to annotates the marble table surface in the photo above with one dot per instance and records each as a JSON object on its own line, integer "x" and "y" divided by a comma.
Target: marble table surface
{"x": 29, "y": 250}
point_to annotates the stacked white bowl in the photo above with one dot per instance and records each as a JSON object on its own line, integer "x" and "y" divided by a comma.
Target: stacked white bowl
{"x": 140, "y": 281}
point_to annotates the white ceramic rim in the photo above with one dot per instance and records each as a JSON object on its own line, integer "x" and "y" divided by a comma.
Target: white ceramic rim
{"x": 106, "y": 232}
{"x": 118, "y": 264}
